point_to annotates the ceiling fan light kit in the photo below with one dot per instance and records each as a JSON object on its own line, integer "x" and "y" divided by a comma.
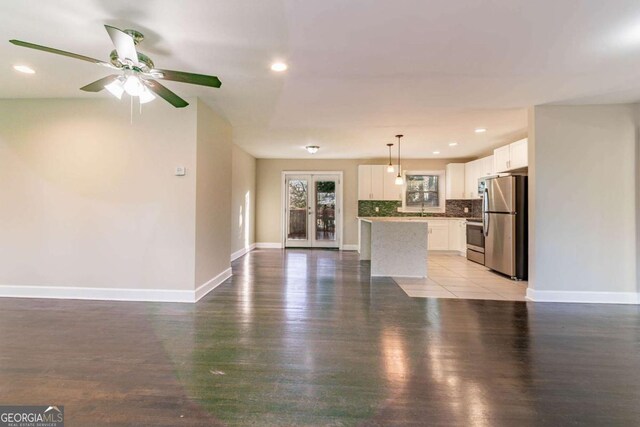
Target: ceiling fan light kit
{"x": 115, "y": 88}
{"x": 138, "y": 77}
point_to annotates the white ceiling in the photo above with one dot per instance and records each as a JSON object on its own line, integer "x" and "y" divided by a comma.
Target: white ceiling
{"x": 360, "y": 71}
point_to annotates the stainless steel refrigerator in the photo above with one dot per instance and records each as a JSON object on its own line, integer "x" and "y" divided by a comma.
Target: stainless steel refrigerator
{"x": 504, "y": 217}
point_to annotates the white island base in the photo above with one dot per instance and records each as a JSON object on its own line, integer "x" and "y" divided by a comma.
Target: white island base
{"x": 397, "y": 247}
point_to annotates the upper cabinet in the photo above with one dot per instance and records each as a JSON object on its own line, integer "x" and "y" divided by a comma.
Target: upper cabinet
{"x": 518, "y": 151}
{"x": 454, "y": 180}
{"x": 375, "y": 183}
{"x": 390, "y": 190}
{"x": 487, "y": 168}
{"x": 471, "y": 174}
{"x": 473, "y": 171}
{"x": 511, "y": 157}
{"x": 364, "y": 183}
{"x": 501, "y": 158}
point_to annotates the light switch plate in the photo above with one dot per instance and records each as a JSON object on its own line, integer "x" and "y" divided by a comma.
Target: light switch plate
{"x": 181, "y": 171}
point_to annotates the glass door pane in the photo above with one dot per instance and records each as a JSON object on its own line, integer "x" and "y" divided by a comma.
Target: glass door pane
{"x": 325, "y": 198}
{"x": 297, "y": 189}
{"x": 312, "y": 210}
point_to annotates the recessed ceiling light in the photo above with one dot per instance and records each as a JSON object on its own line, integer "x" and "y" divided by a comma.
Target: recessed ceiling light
{"x": 481, "y": 130}
{"x": 436, "y": 152}
{"x": 312, "y": 149}
{"x": 453, "y": 144}
{"x": 24, "y": 69}
{"x": 279, "y": 66}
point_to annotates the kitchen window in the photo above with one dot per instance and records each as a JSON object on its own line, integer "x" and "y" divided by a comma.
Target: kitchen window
{"x": 423, "y": 191}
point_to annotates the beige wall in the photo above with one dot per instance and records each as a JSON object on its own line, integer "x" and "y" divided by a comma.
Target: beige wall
{"x": 584, "y": 193}
{"x": 213, "y": 195}
{"x": 90, "y": 200}
{"x": 268, "y": 188}
{"x": 243, "y": 199}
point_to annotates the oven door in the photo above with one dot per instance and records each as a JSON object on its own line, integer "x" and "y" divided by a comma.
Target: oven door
{"x": 475, "y": 237}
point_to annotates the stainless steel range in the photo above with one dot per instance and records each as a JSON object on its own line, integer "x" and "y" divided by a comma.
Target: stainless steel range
{"x": 475, "y": 241}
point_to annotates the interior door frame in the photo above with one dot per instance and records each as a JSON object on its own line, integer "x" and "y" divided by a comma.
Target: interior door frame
{"x": 283, "y": 203}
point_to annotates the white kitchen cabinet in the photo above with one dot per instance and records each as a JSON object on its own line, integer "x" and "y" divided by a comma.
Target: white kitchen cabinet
{"x": 454, "y": 179}
{"x": 391, "y": 191}
{"x": 377, "y": 181}
{"x": 371, "y": 182}
{"x": 471, "y": 174}
{"x": 518, "y": 154}
{"x": 511, "y": 157}
{"x": 474, "y": 170}
{"x": 501, "y": 158}
{"x": 457, "y": 235}
{"x": 438, "y": 239}
{"x": 364, "y": 182}
{"x": 487, "y": 168}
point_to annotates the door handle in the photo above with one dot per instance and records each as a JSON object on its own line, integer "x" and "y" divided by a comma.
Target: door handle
{"x": 485, "y": 215}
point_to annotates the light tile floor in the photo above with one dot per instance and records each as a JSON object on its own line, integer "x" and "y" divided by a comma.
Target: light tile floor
{"x": 452, "y": 276}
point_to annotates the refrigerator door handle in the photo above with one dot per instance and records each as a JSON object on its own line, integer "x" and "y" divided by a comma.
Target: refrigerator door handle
{"x": 485, "y": 214}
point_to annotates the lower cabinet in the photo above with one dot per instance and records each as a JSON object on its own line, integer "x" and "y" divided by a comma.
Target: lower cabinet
{"x": 438, "y": 239}
{"x": 447, "y": 235}
{"x": 458, "y": 235}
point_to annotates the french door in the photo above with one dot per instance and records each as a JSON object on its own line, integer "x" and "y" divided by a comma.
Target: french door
{"x": 312, "y": 210}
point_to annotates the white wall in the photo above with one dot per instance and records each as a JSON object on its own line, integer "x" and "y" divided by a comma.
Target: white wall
{"x": 90, "y": 200}
{"x": 243, "y": 201}
{"x": 91, "y": 207}
{"x": 583, "y": 167}
{"x": 213, "y": 196}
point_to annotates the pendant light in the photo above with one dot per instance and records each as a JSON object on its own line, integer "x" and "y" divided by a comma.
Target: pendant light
{"x": 399, "y": 179}
{"x": 390, "y": 168}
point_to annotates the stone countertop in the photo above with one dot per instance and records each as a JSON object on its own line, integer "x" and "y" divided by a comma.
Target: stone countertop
{"x": 411, "y": 218}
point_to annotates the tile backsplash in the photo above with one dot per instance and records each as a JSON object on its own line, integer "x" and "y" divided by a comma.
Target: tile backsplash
{"x": 453, "y": 208}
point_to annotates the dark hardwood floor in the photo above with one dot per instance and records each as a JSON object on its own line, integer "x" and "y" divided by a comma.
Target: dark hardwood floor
{"x": 304, "y": 337}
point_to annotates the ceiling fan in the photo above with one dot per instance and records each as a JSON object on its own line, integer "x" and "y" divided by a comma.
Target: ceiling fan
{"x": 137, "y": 75}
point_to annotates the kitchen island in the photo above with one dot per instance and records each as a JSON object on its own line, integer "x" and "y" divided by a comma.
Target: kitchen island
{"x": 396, "y": 246}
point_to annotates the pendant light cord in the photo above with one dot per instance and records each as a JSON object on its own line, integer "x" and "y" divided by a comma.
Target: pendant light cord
{"x": 399, "y": 167}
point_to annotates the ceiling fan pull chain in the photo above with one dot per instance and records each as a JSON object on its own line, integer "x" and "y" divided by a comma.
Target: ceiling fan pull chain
{"x": 131, "y": 110}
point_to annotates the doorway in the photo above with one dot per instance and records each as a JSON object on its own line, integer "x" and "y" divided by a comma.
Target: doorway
{"x": 312, "y": 209}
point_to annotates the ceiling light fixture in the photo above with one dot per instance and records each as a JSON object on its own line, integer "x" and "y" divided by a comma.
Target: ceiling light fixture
{"x": 115, "y": 88}
{"x": 390, "y": 168}
{"x": 135, "y": 70}
{"x": 146, "y": 95}
{"x": 279, "y": 67}
{"x": 436, "y": 152}
{"x": 480, "y": 130}
{"x": 133, "y": 86}
{"x": 399, "y": 179}
{"x": 24, "y": 69}
{"x": 453, "y": 144}
{"x": 312, "y": 149}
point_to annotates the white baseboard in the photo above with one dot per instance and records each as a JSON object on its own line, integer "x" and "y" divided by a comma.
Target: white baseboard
{"x": 207, "y": 287}
{"x": 110, "y": 294}
{"x": 114, "y": 294}
{"x": 350, "y": 247}
{"x": 269, "y": 245}
{"x": 584, "y": 297}
{"x": 243, "y": 251}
